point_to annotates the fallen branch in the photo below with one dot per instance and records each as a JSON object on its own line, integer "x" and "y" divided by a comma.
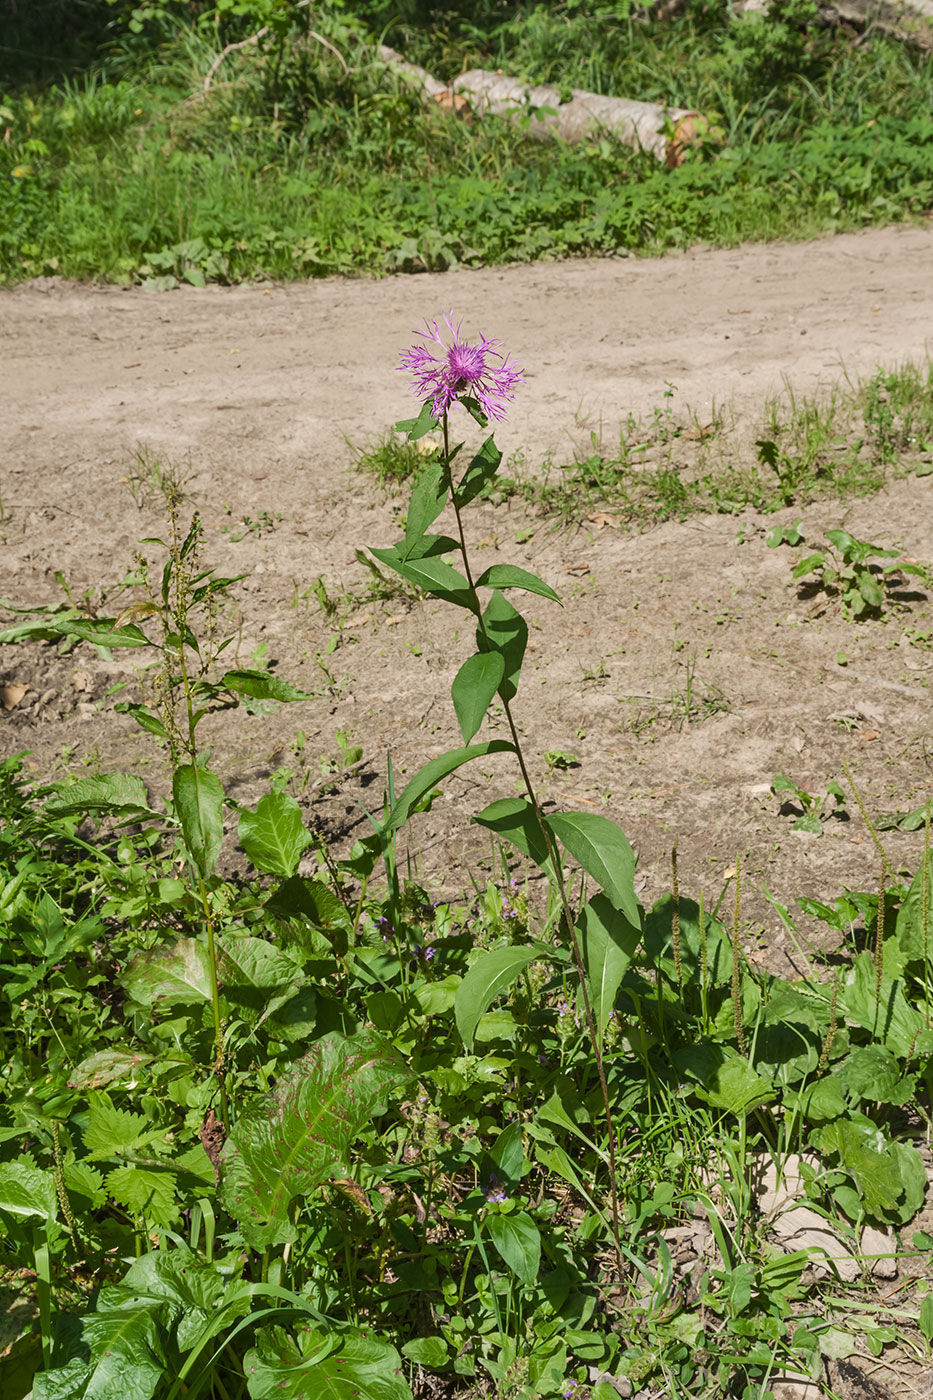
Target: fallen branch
{"x": 664, "y": 131}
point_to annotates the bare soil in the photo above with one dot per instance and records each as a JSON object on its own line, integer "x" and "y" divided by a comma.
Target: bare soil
{"x": 258, "y": 393}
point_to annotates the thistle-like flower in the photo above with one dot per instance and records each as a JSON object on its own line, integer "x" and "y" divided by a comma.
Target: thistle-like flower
{"x": 463, "y": 371}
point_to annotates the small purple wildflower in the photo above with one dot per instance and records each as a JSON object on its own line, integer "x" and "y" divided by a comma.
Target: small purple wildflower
{"x": 494, "y": 1193}
{"x": 571, "y": 1387}
{"x": 464, "y": 370}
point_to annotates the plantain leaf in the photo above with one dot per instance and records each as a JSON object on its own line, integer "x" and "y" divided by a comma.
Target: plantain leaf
{"x": 603, "y": 850}
{"x": 474, "y": 686}
{"x": 199, "y": 797}
{"x": 331, "y": 1365}
{"x": 299, "y": 1136}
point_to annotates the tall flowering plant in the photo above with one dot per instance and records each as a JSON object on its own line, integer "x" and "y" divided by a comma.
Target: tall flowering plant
{"x": 449, "y": 373}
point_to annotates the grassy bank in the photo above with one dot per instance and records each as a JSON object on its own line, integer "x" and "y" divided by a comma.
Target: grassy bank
{"x": 307, "y": 160}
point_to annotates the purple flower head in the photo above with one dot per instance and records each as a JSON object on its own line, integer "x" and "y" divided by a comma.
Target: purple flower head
{"x": 462, "y": 370}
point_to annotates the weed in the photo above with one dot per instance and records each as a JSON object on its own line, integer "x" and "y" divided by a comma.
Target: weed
{"x": 848, "y": 573}
{"x": 152, "y": 479}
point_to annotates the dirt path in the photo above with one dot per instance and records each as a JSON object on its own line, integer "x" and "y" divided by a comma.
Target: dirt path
{"x": 259, "y": 388}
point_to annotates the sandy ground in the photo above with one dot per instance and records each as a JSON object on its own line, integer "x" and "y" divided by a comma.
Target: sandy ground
{"x": 258, "y": 392}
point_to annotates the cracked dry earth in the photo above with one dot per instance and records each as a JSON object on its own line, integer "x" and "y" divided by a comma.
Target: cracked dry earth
{"x": 260, "y": 395}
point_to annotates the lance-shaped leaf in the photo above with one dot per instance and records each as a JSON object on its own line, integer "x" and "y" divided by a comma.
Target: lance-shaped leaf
{"x": 603, "y": 850}
{"x": 103, "y": 632}
{"x": 518, "y": 1240}
{"x": 259, "y": 685}
{"x": 299, "y": 1136}
{"x": 199, "y": 797}
{"x": 914, "y": 932}
{"x": 608, "y": 943}
{"x": 434, "y": 575}
{"x": 433, "y": 772}
{"x": 516, "y": 820}
{"x": 121, "y": 793}
{"x": 422, "y": 425}
{"x": 504, "y": 630}
{"x": 329, "y": 1365}
{"x": 474, "y": 686}
{"x": 510, "y": 576}
{"x": 488, "y": 978}
{"x": 274, "y": 836}
{"x": 428, "y": 498}
{"x": 479, "y": 473}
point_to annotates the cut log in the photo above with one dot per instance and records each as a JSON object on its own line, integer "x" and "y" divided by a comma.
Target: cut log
{"x": 909, "y": 20}
{"x": 663, "y": 131}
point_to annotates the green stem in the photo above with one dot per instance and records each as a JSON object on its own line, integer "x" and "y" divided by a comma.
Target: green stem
{"x": 554, "y": 854}
{"x": 219, "y": 1048}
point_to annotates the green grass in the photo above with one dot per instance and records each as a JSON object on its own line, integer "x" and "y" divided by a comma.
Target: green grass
{"x": 669, "y": 464}
{"x": 292, "y": 167}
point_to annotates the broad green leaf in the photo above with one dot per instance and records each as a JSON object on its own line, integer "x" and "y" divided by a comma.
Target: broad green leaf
{"x": 659, "y": 940}
{"x": 120, "y": 1357}
{"x": 514, "y": 819}
{"x": 432, "y": 1352}
{"x": 487, "y": 979}
{"x": 431, "y": 774}
{"x": 171, "y": 973}
{"x": 890, "y": 1176}
{"x": 110, "y": 1131}
{"x": 510, "y": 576}
{"x": 871, "y": 1072}
{"x": 481, "y": 470}
{"x": 259, "y": 685}
{"x": 203, "y": 1299}
{"x": 106, "y": 1067}
{"x": 143, "y": 716}
{"x": 103, "y": 632}
{"x": 603, "y": 850}
{"x": 325, "y": 1366}
{"x": 504, "y": 630}
{"x": 199, "y": 796}
{"x": 422, "y": 425}
{"x": 274, "y": 836}
{"x": 915, "y": 940}
{"x": 608, "y": 942}
{"x": 255, "y": 976}
{"x": 83, "y": 1179}
{"x": 434, "y": 575}
{"x": 428, "y": 498}
{"x": 890, "y": 1018}
{"x": 735, "y": 1087}
{"x": 474, "y": 686}
{"x": 518, "y": 1240}
{"x": 309, "y": 900}
{"x": 508, "y": 1152}
{"x": 292, "y": 1140}
{"x": 145, "y": 1191}
{"x": 111, "y": 792}
{"x": 26, "y": 1191}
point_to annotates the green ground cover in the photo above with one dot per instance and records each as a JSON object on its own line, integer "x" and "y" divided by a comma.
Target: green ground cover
{"x": 305, "y": 158}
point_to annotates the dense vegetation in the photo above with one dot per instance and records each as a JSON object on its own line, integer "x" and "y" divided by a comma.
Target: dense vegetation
{"x": 307, "y": 155}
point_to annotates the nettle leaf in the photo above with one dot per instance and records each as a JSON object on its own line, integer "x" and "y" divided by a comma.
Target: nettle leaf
{"x": 274, "y": 836}
{"x": 473, "y": 688}
{"x": 299, "y": 1136}
{"x": 332, "y": 1366}
{"x": 199, "y": 796}
{"x": 510, "y": 576}
{"x": 110, "y": 1131}
{"x": 145, "y": 1191}
{"x": 479, "y": 473}
{"x": 27, "y": 1192}
{"x": 173, "y": 973}
{"x": 608, "y": 943}
{"x": 602, "y": 848}
{"x": 81, "y": 1179}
